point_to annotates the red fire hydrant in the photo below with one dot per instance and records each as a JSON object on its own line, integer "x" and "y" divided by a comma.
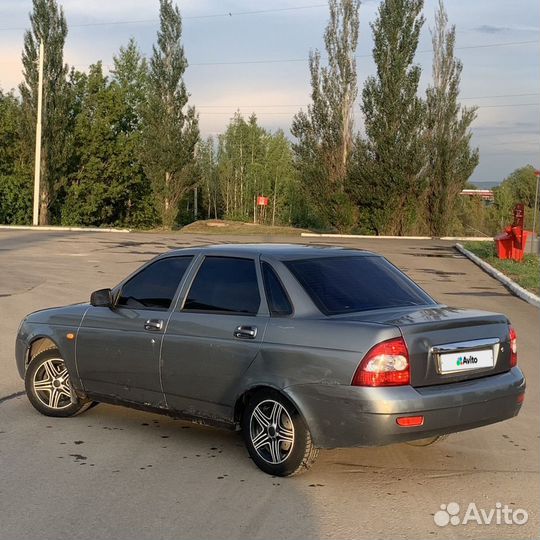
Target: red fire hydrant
{"x": 511, "y": 244}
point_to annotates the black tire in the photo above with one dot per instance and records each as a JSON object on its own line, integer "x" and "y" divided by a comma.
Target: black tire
{"x": 270, "y": 447}
{"x": 428, "y": 441}
{"x": 53, "y": 397}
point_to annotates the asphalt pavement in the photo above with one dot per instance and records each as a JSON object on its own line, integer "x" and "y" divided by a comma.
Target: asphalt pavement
{"x": 118, "y": 473}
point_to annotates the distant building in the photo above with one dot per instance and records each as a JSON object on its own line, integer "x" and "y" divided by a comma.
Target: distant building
{"x": 484, "y": 194}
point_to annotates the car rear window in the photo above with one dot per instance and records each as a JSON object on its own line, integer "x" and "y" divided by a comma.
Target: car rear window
{"x": 340, "y": 285}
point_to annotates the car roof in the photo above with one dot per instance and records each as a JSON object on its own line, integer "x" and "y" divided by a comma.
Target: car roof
{"x": 277, "y": 251}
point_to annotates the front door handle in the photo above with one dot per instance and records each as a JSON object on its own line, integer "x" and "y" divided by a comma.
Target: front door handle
{"x": 154, "y": 325}
{"x": 245, "y": 332}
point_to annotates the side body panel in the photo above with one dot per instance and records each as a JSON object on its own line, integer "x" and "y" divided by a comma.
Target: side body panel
{"x": 316, "y": 351}
{"x": 203, "y": 363}
{"x": 116, "y": 356}
{"x": 54, "y": 324}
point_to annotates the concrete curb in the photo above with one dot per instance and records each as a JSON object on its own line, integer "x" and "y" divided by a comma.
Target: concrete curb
{"x": 364, "y": 236}
{"x": 373, "y": 237}
{"x": 61, "y": 229}
{"x": 510, "y": 284}
{"x": 468, "y": 238}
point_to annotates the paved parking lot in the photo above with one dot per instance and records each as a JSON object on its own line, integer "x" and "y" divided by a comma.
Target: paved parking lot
{"x": 117, "y": 473}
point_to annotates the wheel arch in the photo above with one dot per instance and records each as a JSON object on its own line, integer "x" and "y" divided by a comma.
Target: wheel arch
{"x": 37, "y": 345}
{"x": 243, "y": 399}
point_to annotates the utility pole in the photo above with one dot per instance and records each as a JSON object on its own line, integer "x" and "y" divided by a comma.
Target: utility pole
{"x": 195, "y": 203}
{"x": 37, "y": 162}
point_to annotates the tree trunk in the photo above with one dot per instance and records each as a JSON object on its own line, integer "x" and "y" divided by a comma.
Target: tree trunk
{"x": 166, "y": 218}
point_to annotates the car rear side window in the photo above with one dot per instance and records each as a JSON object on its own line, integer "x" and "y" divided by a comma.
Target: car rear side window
{"x": 340, "y": 285}
{"x": 225, "y": 285}
{"x": 278, "y": 301}
{"x": 154, "y": 287}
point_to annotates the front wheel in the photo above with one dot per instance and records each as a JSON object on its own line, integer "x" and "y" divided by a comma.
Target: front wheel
{"x": 48, "y": 386}
{"x": 276, "y": 436}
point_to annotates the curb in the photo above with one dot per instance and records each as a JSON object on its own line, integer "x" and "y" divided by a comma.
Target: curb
{"x": 61, "y": 229}
{"x": 374, "y": 237}
{"x": 510, "y": 284}
{"x": 365, "y": 236}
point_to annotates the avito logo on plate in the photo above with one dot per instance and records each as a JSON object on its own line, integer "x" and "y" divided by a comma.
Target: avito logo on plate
{"x": 465, "y": 360}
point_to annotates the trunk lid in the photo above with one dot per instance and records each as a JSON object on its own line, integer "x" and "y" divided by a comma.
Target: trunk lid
{"x": 439, "y": 335}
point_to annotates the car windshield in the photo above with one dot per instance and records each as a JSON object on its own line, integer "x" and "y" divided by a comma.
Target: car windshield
{"x": 339, "y": 285}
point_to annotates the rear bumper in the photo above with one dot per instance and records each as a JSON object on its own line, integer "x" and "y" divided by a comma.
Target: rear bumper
{"x": 345, "y": 416}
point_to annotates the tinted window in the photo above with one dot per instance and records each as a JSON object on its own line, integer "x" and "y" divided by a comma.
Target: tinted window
{"x": 278, "y": 301}
{"x": 155, "y": 286}
{"x": 225, "y": 284}
{"x": 348, "y": 284}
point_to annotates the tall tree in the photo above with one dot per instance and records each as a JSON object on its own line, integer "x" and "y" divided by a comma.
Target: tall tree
{"x": 48, "y": 24}
{"x": 171, "y": 127}
{"x": 130, "y": 83}
{"x": 388, "y": 178}
{"x": 208, "y": 174}
{"x": 15, "y": 180}
{"x": 108, "y": 185}
{"x": 325, "y": 132}
{"x": 451, "y": 161}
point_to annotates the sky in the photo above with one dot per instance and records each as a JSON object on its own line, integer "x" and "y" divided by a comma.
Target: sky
{"x": 252, "y": 56}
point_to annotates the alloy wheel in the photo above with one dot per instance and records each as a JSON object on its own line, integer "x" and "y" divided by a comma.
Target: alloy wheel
{"x": 51, "y": 384}
{"x": 272, "y": 431}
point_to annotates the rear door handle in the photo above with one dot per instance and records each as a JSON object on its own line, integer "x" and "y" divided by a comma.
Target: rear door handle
{"x": 245, "y": 332}
{"x": 154, "y": 325}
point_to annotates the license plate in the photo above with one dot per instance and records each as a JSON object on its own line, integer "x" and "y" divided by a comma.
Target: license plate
{"x": 465, "y": 361}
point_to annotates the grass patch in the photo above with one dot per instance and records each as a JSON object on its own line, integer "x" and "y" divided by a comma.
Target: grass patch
{"x": 525, "y": 273}
{"x": 219, "y": 226}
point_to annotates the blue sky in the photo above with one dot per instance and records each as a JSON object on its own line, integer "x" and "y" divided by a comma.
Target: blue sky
{"x": 507, "y": 129}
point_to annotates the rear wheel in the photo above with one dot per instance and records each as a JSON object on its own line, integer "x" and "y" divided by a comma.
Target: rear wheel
{"x": 276, "y": 436}
{"x": 48, "y": 386}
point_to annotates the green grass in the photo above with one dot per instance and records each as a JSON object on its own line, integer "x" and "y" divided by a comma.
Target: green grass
{"x": 525, "y": 273}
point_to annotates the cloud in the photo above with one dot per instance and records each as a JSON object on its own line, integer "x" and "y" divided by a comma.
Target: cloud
{"x": 493, "y": 29}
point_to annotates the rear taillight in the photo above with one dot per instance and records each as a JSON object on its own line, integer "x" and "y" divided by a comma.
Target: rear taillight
{"x": 513, "y": 347}
{"x": 385, "y": 364}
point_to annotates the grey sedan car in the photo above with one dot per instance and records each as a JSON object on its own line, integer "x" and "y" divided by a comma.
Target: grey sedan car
{"x": 300, "y": 347}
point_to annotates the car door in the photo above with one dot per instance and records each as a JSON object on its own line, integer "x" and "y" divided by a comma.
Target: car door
{"x": 118, "y": 349}
{"x": 213, "y": 336}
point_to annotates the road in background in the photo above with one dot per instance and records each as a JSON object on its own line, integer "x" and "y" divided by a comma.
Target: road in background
{"x": 114, "y": 472}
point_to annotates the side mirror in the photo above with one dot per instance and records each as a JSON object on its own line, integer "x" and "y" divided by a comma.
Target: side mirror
{"x": 102, "y": 298}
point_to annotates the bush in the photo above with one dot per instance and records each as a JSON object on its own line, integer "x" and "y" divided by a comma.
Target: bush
{"x": 15, "y": 199}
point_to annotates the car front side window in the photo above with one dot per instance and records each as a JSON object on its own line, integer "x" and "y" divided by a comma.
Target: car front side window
{"x": 154, "y": 287}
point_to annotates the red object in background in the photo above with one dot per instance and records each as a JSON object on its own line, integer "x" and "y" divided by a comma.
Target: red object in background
{"x": 511, "y": 243}
{"x": 262, "y": 201}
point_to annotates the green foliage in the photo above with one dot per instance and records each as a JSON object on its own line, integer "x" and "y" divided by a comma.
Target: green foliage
{"x": 15, "y": 179}
{"x": 388, "y": 177}
{"x": 124, "y": 149}
{"x": 209, "y": 178}
{"x": 325, "y": 132}
{"x": 526, "y": 273}
{"x": 450, "y": 158}
{"x": 250, "y": 162}
{"x": 48, "y": 24}
{"x": 108, "y": 186}
{"x": 518, "y": 187}
{"x": 16, "y": 199}
{"x": 170, "y": 126}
